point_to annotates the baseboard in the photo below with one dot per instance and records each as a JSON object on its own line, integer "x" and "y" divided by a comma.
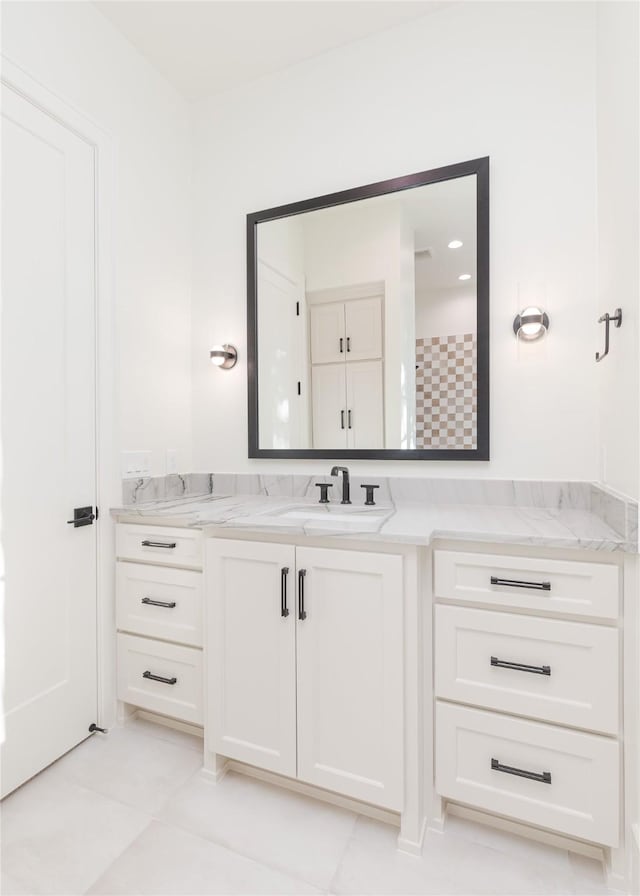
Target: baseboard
{"x": 525, "y": 830}
{"x": 168, "y": 722}
{"x": 413, "y": 848}
{"x": 317, "y": 793}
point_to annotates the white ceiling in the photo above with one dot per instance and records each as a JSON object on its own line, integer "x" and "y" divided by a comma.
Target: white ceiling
{"x": 206, "y": 46}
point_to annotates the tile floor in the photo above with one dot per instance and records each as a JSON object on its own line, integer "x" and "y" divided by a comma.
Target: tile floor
{"x": 129, "y": 813}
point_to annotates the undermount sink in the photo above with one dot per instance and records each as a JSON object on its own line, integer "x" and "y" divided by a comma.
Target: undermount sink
{"x": 338, "y": 513}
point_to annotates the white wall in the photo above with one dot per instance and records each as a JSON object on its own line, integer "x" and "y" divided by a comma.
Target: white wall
{"x": 446, "y": 311}
{"x": 618, "y": 111}
{"x": 76, "y": 54}
{"x": 514, "y": 81}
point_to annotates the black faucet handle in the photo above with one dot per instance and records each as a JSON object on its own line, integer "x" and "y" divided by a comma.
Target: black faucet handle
{"x": 324, "y": 488}
{"x": 369, "y": 489}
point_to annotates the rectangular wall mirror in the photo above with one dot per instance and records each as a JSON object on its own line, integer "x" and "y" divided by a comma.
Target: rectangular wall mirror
{"x": 368, "y": 321}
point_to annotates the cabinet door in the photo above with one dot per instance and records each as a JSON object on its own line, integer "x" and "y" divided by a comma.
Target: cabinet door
{"x": 251, "y": 665}
{"x": 365, "y": 406}
{"x": 350, "y": 689}
{"x": 363, "y": 321}
{"x": 328, "y": 341}
{"x": 329, "y": 406}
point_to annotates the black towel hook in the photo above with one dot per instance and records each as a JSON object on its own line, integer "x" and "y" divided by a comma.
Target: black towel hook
{"x": 606, "y": 319}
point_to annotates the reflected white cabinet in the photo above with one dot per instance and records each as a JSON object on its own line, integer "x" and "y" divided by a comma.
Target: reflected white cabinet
{"x": 348, "y": 405}
{"x": 346, "y": 331}
{"x": 305, "y": 665}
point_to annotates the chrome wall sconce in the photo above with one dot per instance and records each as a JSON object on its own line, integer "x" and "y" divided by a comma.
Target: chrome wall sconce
{"x": 606, "y": 319}
{"x": 532, "y": 323}
{"x": 224, "y": 356}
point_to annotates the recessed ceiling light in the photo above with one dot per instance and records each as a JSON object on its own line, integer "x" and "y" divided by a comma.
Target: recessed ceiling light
{"x": 464, "y": 277}
{"x": 455, "y": 244}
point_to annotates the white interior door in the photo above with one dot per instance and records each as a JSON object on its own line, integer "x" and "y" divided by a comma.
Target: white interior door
{"x": 365, "y": 405}
{"x": 48, "y": 433}
{"x": 329, "y": 406}
{"x": 282, "y": 361}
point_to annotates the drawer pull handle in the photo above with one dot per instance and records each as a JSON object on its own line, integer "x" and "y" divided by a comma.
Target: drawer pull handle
{"x": 520, "y": 667}
{"x": 159, "y": 544}
{"x": 302, "y": 613}
{"x": 284, "y": 609}
{"x": 516, "y": 583}
{"x": 169, "y": 604}
{"x": 159, "y": 678}
{"x": 543, "y": 777}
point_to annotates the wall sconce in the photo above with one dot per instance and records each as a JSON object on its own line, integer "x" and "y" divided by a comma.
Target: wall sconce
{"x": 532, "y": 323}
{"x": 225, "y": 356}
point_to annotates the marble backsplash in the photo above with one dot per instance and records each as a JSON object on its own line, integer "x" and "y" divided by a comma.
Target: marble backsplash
{"x": 618, "y": 511}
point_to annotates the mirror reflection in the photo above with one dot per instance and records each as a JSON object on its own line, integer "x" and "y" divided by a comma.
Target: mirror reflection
{"x": 366, "y": 323}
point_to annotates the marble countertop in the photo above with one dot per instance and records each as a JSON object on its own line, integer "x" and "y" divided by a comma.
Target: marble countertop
{"x": 404, "y": 522}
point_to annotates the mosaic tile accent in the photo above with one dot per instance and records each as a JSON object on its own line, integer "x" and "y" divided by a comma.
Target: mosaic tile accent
{"x": 446, "y": 392}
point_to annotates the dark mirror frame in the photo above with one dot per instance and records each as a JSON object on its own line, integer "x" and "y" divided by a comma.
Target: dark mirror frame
{"x": 479, "y": 167}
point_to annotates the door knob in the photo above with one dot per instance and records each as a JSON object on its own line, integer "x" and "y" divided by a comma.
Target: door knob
{"x": 83, "y": 516}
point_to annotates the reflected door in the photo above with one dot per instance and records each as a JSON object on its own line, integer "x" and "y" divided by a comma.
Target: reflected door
{"x": 48, "y": 430}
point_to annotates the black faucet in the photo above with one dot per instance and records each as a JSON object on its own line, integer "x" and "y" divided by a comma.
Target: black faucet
{"x": 346, "y": 488}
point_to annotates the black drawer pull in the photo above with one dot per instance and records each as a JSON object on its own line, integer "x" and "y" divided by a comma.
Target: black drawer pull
{"x": 159, "y": 678}
{"x": 520, "y": 667}
{"x": 169, "y": 604}
{"x": 158, "y": 544}
{"x": 543, "y": 777}
{"x": 516, "y": 583}
{"x": 302, "y": 613}
{"x": 284, "y": 609}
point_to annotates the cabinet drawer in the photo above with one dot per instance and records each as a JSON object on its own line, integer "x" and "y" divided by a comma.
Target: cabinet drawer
{"x": 159, "y": 544}
{"x": 159, "y": 602}
{"x": 553, "y": 586}
{"x": 139, "y": 658}
{"x": 558, "y": 671}
{"x": 551, "y": 777}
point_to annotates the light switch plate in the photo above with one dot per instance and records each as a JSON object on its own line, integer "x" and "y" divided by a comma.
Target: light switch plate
{"x": 136, "y": 464}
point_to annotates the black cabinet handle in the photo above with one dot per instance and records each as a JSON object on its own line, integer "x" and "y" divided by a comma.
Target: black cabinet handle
{"x": 348, "y": 343}
{"x": 284, "y": 572}
{"x": 302, "y": 613}
{"x": 169, "y": 604}
{"x": 158, "y": 544}
{"x": 341, "y": 345}
{"x": 517, "y": 583}
{"x": 520, "y": 667}
{"x": 159, "y": 678}
{"x": 543, "y": 777}
{"x": 349, "y": 419}
{"x": 341, "y": 419}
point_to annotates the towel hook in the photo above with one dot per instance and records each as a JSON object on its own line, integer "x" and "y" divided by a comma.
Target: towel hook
{"x": 606, "y": 319}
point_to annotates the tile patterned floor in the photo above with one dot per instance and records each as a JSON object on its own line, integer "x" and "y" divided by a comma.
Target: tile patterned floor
{"x": 130, "y": 813}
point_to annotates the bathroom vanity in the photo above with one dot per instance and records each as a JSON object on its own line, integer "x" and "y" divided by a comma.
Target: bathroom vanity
{"x": 370, "y": 658}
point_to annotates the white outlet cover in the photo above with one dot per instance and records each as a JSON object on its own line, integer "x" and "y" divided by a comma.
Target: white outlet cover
{"x": 172, "y": 460}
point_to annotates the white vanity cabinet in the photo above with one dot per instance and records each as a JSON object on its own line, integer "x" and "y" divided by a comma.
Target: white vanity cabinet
{"x": 159, "y": 620}
{"x": 305, "y": 664}
{"x": 527, "y": 711}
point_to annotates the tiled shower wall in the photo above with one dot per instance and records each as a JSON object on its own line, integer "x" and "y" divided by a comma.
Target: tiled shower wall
{"x": 446, "y": 392}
